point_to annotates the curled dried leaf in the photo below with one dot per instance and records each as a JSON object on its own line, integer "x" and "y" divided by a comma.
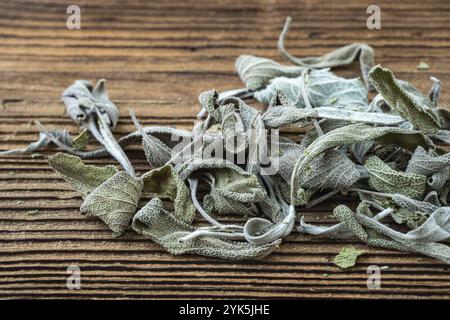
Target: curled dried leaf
{"x": 405, "y": 99}
{"x": 168, "y": 231}
{"x": 256, "y": 72}
{"x": 339, "y": 57}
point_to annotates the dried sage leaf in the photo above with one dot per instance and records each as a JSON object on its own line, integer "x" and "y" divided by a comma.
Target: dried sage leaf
{"x": 84, "y": 178}
{"x": 114, "y": 201}
{"x": 427, "y": 163}
{"x": 405, "y": 99}
{"x": 62, "y": 136}
{"x": 156, "y": 151}
{"x": 331, "y": 169}
{"x": 356, "y": 133}
{"x": 232, "y": 188}
{"x": 384, "y": 179}
{"x": 323, "y": 88}
{"x": 339, "y": 57}
{"x": 82, "y": 96}
{"x": 165, "y": 182}
{"x": 165, "y": 229}
{"x": 368, "y": 230}
{"x": 256, "y": 72}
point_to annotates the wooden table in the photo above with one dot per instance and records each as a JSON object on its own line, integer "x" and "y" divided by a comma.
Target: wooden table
{"x": 157, "y": 58}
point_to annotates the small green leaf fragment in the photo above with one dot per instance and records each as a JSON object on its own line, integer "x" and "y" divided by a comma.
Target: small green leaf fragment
{"x": 423, "y": 66}
{"x": 347, "y": 257}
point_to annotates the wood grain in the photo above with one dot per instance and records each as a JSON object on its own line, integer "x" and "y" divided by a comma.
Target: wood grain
{"x": 157, "y": 58}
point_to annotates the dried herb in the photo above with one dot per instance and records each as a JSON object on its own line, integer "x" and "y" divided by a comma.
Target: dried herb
{"x": 347, "y": 257}
{"x": 233, "y": 162}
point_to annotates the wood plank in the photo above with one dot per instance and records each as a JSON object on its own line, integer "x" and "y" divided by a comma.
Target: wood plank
{"x": 158, "y": 57}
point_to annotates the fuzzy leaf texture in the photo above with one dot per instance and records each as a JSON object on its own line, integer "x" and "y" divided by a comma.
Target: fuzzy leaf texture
{"x": 339, "y": 57}
{"x": 330, "y": 170}
{"x": 84, "y": 178}
{"x": 165, "y": 182}
{"x": 427, "y": 163}
{"x": 384, "y": 179}
{"x": 373, "y": 233}
{"x": 81, "y": 97}
{"x": 347, "y": 257}
{"x": 357, "y": 133}
{"x": 114, "y": 201}
{"x": 62, "y": 136}
{"x": 165, "y": 229}
{"x": 405, "y": 99}
{"x": 233, "y": 190}
{"x": 322, "y": 87}
{"x": 256, "y": 72}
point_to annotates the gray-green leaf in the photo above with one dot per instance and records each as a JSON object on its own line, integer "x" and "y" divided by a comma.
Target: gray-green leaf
{"x": 385, "y": 179}
{"x": 165, "y": 182}
{"x": 256, "y": 72}
{"x": 114, "y": 201}
{"x": 165, "y": 229}
{"x": 322, "y": 87}
{"x": 84, "y": 178}
{"x": 405, "y": 99}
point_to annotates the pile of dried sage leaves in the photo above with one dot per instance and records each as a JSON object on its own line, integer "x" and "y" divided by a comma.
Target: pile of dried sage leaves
{"x": 387, "y": 153}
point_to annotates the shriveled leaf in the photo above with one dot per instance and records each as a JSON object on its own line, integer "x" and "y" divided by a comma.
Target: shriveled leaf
{"x": 339, "y": 57}
{"x": 384, "y": 179}
{"x": 114, "y": 201}
{"x": 356, "y": 133}
{"x": 413, "y": 219}
{"x": 435, "y": 228}
{"x": 82, "y": 96}
{"x": 376, "y": 234}
{"x": 359, "y": 150}
{"x": 62, "y": 136}
{"x": 261, "y": 231}
{"x": 234, "y": 116}
{"x": 331, "y": 169}
{"x": 426, "y": 163}
{"x": 405, "y": 99}
{"x": 256, "y": 72}
{"x": 413, "y": 204}
{"x": 84, "y": 178}
{"x": 277, "y": 117}
{"x": 323, "y": 88}
{"x": 165, "y": 229}
{"x": 165, "y": 182}
{"x": 288, "y": 154}
{"x": 232, "y": 189}
{"x": 156, "y": 152}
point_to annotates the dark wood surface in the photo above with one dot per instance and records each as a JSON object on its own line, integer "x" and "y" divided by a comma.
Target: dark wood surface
{"x": 157, "y": 57}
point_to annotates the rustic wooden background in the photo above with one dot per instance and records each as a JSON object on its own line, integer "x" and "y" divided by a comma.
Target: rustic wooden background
{"x": 158, "y": 57}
